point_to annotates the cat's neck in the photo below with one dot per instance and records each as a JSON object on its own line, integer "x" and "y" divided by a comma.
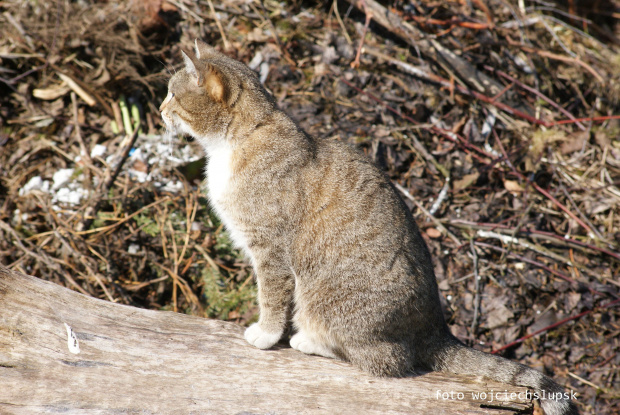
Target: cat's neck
{"x": 214, "y": 144}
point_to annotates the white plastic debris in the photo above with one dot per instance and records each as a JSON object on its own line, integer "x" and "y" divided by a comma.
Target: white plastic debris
{"x": 18, "y": 216}
{"x": 264, "y": 72}
{"x": 98, "y": 151}
{"x": 488, "y": 124}
{"x": 256, "y": 60}
{"x": 159, "y": 152}
{"x": 133, "y": 249}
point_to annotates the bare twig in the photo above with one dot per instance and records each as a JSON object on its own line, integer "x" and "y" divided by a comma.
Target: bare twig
{"x": 424, "y": 74}
{"x": 78, "y": 89}
{"x": 219, "y": 25}
{"x": 356, "y": 61}
{"x": 448, "y": 134}
{"x": 541, "y": 190}
{"x": 78, "y": 132}
{"x": 552, "y": 326}
{"x": 477, "y": 282}
{"x": 556, "y": 273}
{"x": 427, "y": 213}
{"x": 182, "y": 284}
{"x": 532, "y": 233}
{"x": 441, "y": 197}
{"x": 533, "y": 247}
{"x": 42, "y": 258}
{"x": 341, "y": 23}
{"x": 84, "y": 261}
{"x": 587, "y": 382}
{"x": 537, "y": 93}
{"x": 116, "y": 224}
{"x": 423, "y": 42}
{"x": 108, "y": 179}
{"x": 555, "y": 56}
{"x": 276, "y": 38}
{"x": 79, "y": 85}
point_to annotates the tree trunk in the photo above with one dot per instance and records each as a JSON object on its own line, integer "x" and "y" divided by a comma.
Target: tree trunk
{"x": 127, "y": 360}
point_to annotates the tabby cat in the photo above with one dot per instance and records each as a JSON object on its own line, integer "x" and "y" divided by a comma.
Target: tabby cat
{"x": 333, "y": 246}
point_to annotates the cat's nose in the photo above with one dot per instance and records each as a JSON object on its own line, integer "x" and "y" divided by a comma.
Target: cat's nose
{"x": 166, "y": 101}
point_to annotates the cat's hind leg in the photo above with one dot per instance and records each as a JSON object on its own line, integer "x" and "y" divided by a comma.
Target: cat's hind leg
{"x": 311, "y": 345}
{"x": 392, "y": 359}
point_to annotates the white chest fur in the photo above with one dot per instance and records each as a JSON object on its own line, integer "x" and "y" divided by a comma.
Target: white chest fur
{"x": 219, "y": 171}
{"x": 220, "y": 185}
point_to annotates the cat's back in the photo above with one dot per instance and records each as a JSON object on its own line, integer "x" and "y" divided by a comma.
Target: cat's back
{"x": 342, "y": 179}
{"x": 351, "y": 203}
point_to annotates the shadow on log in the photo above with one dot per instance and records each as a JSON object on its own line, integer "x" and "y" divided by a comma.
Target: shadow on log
{"x": 127, "y": 360}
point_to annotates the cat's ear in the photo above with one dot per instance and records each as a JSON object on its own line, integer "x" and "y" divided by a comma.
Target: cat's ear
{"x": 203, "y": 50}
{"x": 191, "y": 67}
{"x": 206, "y": 75}
{"x": 215, "y": 84}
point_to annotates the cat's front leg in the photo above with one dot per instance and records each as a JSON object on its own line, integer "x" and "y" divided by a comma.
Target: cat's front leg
{"x": 275, "y": 294}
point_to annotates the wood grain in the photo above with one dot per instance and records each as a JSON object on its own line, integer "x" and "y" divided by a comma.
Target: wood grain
{"x": 134, "y": 361}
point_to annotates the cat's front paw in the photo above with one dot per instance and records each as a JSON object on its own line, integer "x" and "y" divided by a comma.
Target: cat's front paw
{"x": 259, "y": 338}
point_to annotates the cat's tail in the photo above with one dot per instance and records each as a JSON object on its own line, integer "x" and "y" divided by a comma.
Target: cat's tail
{"x": 455, "y": 357}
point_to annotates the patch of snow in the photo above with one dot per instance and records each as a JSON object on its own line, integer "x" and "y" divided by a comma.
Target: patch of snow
{"x": 160, "y": 154}
{"x": 35, "y": 183}
{"x": 70, "y": 196}
{"x": 172, "y": 186}
{"x": 138, "y": 176}
{"x": 61, "y": 177}
{"x": 18, "y": 216}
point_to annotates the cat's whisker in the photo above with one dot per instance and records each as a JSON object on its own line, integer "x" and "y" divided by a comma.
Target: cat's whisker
{"x": 167, "y": 70}
{"x": 169, "y": 134}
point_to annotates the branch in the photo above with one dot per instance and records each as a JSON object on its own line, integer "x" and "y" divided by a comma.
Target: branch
{"x": 64, "y": 352}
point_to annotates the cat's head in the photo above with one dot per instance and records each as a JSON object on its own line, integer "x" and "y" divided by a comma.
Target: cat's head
{"x": 210, "y": 93}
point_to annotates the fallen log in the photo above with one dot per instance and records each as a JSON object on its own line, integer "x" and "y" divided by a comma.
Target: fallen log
{"x": 61, "y": 351}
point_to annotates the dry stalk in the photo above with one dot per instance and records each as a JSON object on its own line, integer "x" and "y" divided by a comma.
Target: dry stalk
{"x": 435, "y": 221}
{"x": 42, "y": 258}
{"x": 477, "y": 283}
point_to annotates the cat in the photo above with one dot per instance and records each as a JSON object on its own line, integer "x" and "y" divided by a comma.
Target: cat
{"x": 333, "y": 246}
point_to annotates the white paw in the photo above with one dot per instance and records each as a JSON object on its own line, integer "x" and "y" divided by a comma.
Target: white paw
{"x": 259, "y": 338}
{"x": 304, "y": 344}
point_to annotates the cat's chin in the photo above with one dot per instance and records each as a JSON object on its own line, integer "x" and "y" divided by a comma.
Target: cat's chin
{"x": 176, "y": 126}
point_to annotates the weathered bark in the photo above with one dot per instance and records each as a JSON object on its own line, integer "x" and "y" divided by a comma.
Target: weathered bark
{"x": 141, "y": 361}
